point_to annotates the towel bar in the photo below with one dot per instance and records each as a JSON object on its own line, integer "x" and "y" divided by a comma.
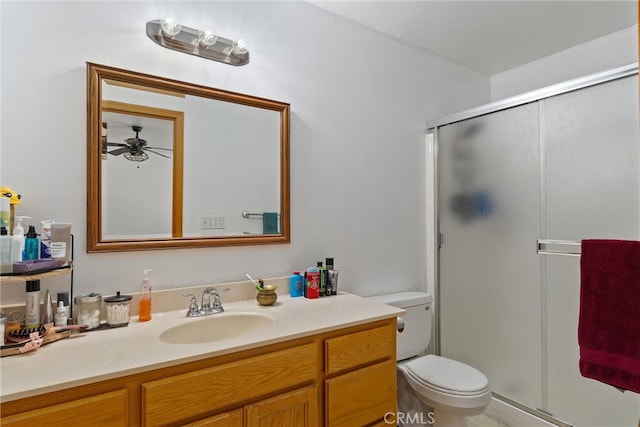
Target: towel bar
{"x": 246, "y": 214}
{"x": 542, "y": 250}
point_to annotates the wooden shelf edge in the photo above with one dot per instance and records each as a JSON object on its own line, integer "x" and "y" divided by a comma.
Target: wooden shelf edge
{"x": 36, "y": 275}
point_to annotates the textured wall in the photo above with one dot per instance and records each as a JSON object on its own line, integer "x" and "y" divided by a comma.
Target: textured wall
{"x": 359, "y": 104}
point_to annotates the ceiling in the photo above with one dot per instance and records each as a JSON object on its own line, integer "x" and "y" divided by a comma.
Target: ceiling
{"x": 489, "y": 36}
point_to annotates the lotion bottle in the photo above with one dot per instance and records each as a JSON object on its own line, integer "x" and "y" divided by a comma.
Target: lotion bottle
{"x": 144, "y": 311}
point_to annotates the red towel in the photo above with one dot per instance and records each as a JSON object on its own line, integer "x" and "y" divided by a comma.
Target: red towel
{"x": 609, "y": 325}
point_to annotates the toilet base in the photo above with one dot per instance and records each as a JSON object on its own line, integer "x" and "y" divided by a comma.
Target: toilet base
{"x": 445, "y": 419}
{"x": 418, "y": 410}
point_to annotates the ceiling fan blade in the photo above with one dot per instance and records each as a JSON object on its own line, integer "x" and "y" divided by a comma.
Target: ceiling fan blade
{"x": 119, "y": 151}
{"x": 117, "y": 144}
{"x": 151, "y": 151}
{"x": 158, "y": 148}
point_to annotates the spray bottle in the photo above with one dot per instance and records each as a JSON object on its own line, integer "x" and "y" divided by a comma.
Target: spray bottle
{"x": 144, "y": 312}
{"x": 17, "y": 240}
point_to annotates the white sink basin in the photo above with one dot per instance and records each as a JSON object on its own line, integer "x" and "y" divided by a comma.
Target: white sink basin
{"x": 215, "y": 327}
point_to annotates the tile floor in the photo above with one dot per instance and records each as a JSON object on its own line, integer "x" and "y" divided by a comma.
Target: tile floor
{"x": 484, "y": 421}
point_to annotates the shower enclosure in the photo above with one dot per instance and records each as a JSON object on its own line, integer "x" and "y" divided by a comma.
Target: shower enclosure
{"x": 535, "y": 173}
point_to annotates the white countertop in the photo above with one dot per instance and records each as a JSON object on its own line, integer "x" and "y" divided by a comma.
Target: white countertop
{"x": 109, "y": 353}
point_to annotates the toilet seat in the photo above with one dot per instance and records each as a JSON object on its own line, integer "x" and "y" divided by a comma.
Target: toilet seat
{"x": 447, "y": 376}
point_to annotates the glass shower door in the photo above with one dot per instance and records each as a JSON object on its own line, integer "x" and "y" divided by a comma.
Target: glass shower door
{"x": 566, "y": 167}
{"x": 592, "y": 181}
{"x": 489, "y": 209}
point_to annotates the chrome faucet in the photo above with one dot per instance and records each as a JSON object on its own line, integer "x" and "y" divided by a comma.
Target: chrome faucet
{"x": 207, "y": 307}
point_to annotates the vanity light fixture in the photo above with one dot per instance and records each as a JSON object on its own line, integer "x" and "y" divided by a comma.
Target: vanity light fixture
{"x": 205, "y": 44}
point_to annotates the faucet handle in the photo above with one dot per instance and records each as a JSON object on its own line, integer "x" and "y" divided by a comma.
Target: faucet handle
{"x": 193, "y": 305}
{"x": 217, "y": 302}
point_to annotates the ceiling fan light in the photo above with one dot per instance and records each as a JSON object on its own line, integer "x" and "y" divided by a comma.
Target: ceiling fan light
{"x": 136, "y": 157}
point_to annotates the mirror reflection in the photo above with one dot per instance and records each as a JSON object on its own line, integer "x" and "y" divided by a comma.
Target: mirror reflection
{"x": 173, "y": 164}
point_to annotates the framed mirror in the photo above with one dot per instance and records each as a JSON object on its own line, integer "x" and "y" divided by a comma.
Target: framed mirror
{"x": 172, "y": 164}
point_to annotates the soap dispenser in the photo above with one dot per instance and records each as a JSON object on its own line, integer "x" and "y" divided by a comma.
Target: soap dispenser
{"x": 144, "y": 311}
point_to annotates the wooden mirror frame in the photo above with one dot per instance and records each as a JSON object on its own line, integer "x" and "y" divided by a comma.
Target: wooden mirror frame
{"x": 95, "y": 243}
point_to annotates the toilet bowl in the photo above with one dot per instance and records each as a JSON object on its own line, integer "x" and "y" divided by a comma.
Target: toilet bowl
{"x": 450, "y": 390}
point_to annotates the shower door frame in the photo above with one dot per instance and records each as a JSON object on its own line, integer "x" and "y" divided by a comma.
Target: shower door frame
{"x": 435, "y": 242}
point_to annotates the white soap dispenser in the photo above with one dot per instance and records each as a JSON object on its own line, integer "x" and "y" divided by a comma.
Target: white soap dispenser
{"x": 17, "y": 240}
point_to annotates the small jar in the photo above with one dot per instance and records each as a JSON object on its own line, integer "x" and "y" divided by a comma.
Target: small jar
{"x": 118, "y": 308}
{"x": 87, "y": 310}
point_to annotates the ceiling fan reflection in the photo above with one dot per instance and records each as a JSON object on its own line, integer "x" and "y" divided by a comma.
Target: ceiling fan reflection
{"x": 135, "y": 149}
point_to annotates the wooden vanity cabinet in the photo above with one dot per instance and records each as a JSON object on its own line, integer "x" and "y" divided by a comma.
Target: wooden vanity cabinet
{"x": 345, "y": 377}
{"x": 361, "y": 377}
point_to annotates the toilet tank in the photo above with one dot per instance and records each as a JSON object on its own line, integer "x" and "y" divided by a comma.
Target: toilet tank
{"x": 417, "y": 321}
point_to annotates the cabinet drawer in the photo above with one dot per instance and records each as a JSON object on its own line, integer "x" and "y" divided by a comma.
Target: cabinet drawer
{"x": 107, "y": 409}
{"x": 361, "y": 397}
{"x": 360, "y": 348}
{"x": 195, "y": 393}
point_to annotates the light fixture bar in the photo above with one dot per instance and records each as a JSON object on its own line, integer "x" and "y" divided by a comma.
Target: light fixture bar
{"x": 189, "y": 40}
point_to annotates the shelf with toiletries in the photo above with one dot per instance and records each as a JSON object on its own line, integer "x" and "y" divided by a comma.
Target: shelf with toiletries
{"x": 36, "y": 275}
{"x": 34, "y": 270}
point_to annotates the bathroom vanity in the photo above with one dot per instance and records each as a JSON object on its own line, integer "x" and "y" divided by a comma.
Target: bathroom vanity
{"x": 316, "y": 362}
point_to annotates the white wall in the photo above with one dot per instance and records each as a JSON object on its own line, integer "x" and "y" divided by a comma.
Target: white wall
{"x": 605, "y": 53}
{"x": 359, "y": 104}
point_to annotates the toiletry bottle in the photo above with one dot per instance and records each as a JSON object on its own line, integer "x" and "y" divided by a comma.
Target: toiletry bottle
{"x": 46, "y": 314}
{"x": 17, "y": 240}
{"x": 45, "y": 238}
{"x": 313, "y": 282}
{"x": 32, "y": 308}
{"x": 63, "y": 297}
{"x": 323, "y": 279}
{"x": 60, "y": 244}
{"x": 5, "y": 251}
{"x": 304, "y": 285}
{"x": 295, "y": 284}
{"x": 331, "y": 288}
{"x": 144, "y": 312}
{"x": 31, "y": 244}
{"x": 61, "y": 315}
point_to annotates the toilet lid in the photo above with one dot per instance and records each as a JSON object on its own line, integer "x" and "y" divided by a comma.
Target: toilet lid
{"x": 447, "y": 374}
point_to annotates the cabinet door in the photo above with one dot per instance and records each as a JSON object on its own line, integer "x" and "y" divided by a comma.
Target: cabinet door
{"x": 107, "y": 409}
{"x": 298, "y": 408}
{"x": 228, "y": 419}
{"x": 361, "y": 397}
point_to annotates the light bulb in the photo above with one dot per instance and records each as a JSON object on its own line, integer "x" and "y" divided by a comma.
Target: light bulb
{"x": 240, "y": 47}
{"x": 170, "y": 28}
{"x": 206, "y": 38}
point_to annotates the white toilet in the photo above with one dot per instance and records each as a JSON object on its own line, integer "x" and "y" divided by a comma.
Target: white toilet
{"x": 451, "y": 390}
